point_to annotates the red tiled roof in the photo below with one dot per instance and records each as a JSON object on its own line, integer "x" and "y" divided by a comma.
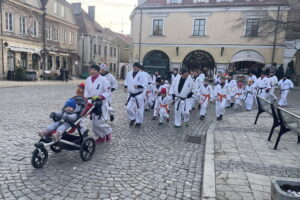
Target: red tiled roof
{"x": 214, "y": 3}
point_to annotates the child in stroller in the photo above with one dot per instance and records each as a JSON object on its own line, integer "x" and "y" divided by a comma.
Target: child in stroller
{"x": 63, "y": 119}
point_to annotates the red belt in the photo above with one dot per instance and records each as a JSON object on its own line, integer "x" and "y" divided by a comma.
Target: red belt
{"x": 221, "y": 97}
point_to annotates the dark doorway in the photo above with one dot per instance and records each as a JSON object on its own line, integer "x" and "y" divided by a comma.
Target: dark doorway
{"x": 157, "y": 61}
{"x": 202, "y": 60}
{"x": 35, "y": 61}
{"x": 123, "y": 71}
{"x": 23, "y": 61}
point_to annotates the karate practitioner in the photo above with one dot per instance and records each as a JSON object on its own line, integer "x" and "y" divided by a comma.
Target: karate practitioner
{"x": 217, "y": 78}
{"x": 263, "y": 86}
{"x": 274, "y": 83}
{"x": 285, "y": 85}
{"x": 205, "y": 94}
{"x": 149, "y": 97}
{"x": 97, "y": 87}
{"x": 249, "y": 95}
{"x": 252, "y": 77}
{"x": 232, "y": 85}
{"x": 136, "y": 83}
{"x": 182, "y": 89}
{"x": 113, "y": 86}
{"x": 162, "y": 106}
{"x": 174, "y": 75}
{"x": 221, "y": 95}
{"x": 195, "y": 73}
{"x": 239, "y": 94}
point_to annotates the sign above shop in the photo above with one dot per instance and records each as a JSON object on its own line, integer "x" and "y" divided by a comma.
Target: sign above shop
{"x": 24, "y": 49}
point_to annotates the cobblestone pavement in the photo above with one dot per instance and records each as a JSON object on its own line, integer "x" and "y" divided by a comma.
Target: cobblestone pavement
{"x": 152, "y": 162}
{"x": 245, "y": 162}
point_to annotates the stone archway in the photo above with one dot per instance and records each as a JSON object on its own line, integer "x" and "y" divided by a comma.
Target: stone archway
{"x": 202, "y": 60}
{"x": 157, "y": 61}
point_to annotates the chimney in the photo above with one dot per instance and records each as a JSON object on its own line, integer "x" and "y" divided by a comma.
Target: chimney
{"x": 140, "y": 2}
{"x": 76, "y": 8}
{"x": 92, "y": 12}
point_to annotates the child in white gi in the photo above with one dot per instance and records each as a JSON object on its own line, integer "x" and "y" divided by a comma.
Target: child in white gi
{"x": 286, "y": 85}
{"x": 274, "y": 83}
{"x": 162, "y": 106}
{"x": 69, "y": 115}
{"x": 249, "y": 95}
{"x": 221, "y": 95}
{"x": 239, "y": 93}
{"x": 205, "y": 94}
{"x": 149, "y": 97}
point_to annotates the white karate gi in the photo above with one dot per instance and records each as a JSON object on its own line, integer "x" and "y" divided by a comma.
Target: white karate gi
{"x": 182, "y": 105}
{"x": 253, "y": 78}
{"x": 100, "y": 87}
{"x": 205, "y": 94}
{"x": 113, "y": 85}
{"x": 285, "y": 86}
{"x": 262, "y": 85}
{"x": 274, "y": 83}
{"x": 232, "y": 85}
{"x": 239, "y": 95}
{"x": 222, "y": 95}
{"x": 173, "y": 77}
{"x": 136, "y": 98}
{"x": 149, "y": 97}
{"x": 249, "y": 96}
{"x": 162, "y": 107}
{"x": 217, "y": 79}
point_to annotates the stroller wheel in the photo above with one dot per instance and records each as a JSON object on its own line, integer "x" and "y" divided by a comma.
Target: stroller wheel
{"x": 39, "y": 158}
{"x": 87, "y": 149}
{"x": 55, "y": 148}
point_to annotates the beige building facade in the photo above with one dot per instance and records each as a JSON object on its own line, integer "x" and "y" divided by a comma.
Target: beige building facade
{"x": 208, "y": 34}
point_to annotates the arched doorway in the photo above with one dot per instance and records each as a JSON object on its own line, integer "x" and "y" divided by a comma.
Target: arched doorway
{"x": 245, "y": 61}
{"x": 202, "y": 60}
{"x": 157, "y": 61}
{"x": 297, "y": 67}
{"x": 123, "y": 72}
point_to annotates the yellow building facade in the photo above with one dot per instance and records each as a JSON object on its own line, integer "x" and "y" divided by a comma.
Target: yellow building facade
{"x": 211, "y": 35}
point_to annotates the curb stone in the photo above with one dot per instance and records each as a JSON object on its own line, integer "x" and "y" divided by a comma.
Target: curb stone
{"x": 209, "y": 179}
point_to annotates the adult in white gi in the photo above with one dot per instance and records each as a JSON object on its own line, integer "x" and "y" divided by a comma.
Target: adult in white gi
{"x": 174, "y": 75}
{"x": 205, "y": 94}
{"x": 263, "y": 86}
{"x": 182, "y": 89}
{"x": 113, "y": 86}
{"x": 162, "y": 106}
{"x": 249, "y": 95}
{"x": 232, "y": 85}
{"x": 96, "y": 86}
{"x": 274, "y": 83}
{"x": 285, "y": 85}
{"x": 221, "y": 95}
{"x": 195, "y": 73}
{"x": 136, "y": 83}
{"x": 252, "y": 77}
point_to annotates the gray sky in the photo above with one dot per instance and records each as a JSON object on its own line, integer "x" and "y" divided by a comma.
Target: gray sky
{"x": 109, "y": 13}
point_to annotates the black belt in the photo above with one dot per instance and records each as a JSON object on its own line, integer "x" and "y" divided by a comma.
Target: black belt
{"x": 181, "y": 99}
{"x": 133, "y": 95}
{"x": 260, "y": 89}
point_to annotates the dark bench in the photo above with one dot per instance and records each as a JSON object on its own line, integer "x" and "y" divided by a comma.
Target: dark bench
{"x": 288, "y": 122}
{"x": 268, "y": 107}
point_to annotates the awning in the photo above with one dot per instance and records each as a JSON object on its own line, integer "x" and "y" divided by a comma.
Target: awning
{"x": 24, "y": 49}
{"x": 248, "y": 55}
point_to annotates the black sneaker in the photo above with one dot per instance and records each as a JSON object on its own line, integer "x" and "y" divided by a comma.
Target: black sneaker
{"x": 112, "y": 118}
{"x": 160, "y": 123}
{"x": 154, "y": 118}
{"x": 202, "y": 117}
{"x": 221, "y": 117}
{"x": 138, "y": 125}
{"x": 199, "y": 106}
{"x": 131, "y": 122}
{"x": 168, "y": 120}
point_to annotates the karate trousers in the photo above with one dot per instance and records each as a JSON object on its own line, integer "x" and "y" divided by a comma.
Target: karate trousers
{"x": 182, "y": 109}
{"x": 220, "y": 107}
{"x": 249, "y": 101}
{"x": 283, "y": 98}
{"x": 163, "y": 114}
{"x": 135, "y": 109}
{"x": 100, "y": 127}
{"x": 204, "y": 103}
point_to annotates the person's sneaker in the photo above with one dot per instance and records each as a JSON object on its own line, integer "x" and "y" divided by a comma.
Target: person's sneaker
{"x": 199, "y": 106}
{"x": 138, "y": 125}
{"x": 160, "y": 123}
{"x": 231, "y": 105}
{"x": 112, "y": 118}
{"x": 186, "y": 124}
{"x": 154, "y": 118}
{"x": 168, "y": 120}
{"x": 108, "y": 137}
{"x": 55, "y": 137}
{"x": 177, "y": 126}
{"x": 202, "y": 117}
{"x": 131, "y": 122}
{"x": 221, "y": 117}
{"x": 101, "y": 140}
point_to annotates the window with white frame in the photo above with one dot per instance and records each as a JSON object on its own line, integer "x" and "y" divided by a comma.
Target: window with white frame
{"x": 34, "y": 29}
{"x": 64, "y": 36}
{"x": 55, "y": 7}
{"x": 22, "y": 25}
{"x": 158, "y": 27}
{"x": 200, "y": 1}
{"x": 9, "y": 21}
{"x": 173, "y": 1}
{"x": 252, "y": 26}
{"x": 49, "y": 33}
{"x": 199, "y": 27}
{"x": 56, "y": 34}
{"x": 70, "y": 37}
{"x": 62, "y": 11}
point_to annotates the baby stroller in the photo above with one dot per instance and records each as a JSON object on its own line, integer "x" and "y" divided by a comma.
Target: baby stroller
{"x": 82, "y": 142}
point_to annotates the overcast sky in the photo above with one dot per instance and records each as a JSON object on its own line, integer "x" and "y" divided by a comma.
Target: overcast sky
{"x": 109, "y": 13}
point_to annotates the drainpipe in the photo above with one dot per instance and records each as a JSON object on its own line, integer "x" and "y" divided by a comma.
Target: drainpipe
{"x": 275, "y": 37}
{"x": 140, "y": 39}
{"x": 2, "y": 38}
